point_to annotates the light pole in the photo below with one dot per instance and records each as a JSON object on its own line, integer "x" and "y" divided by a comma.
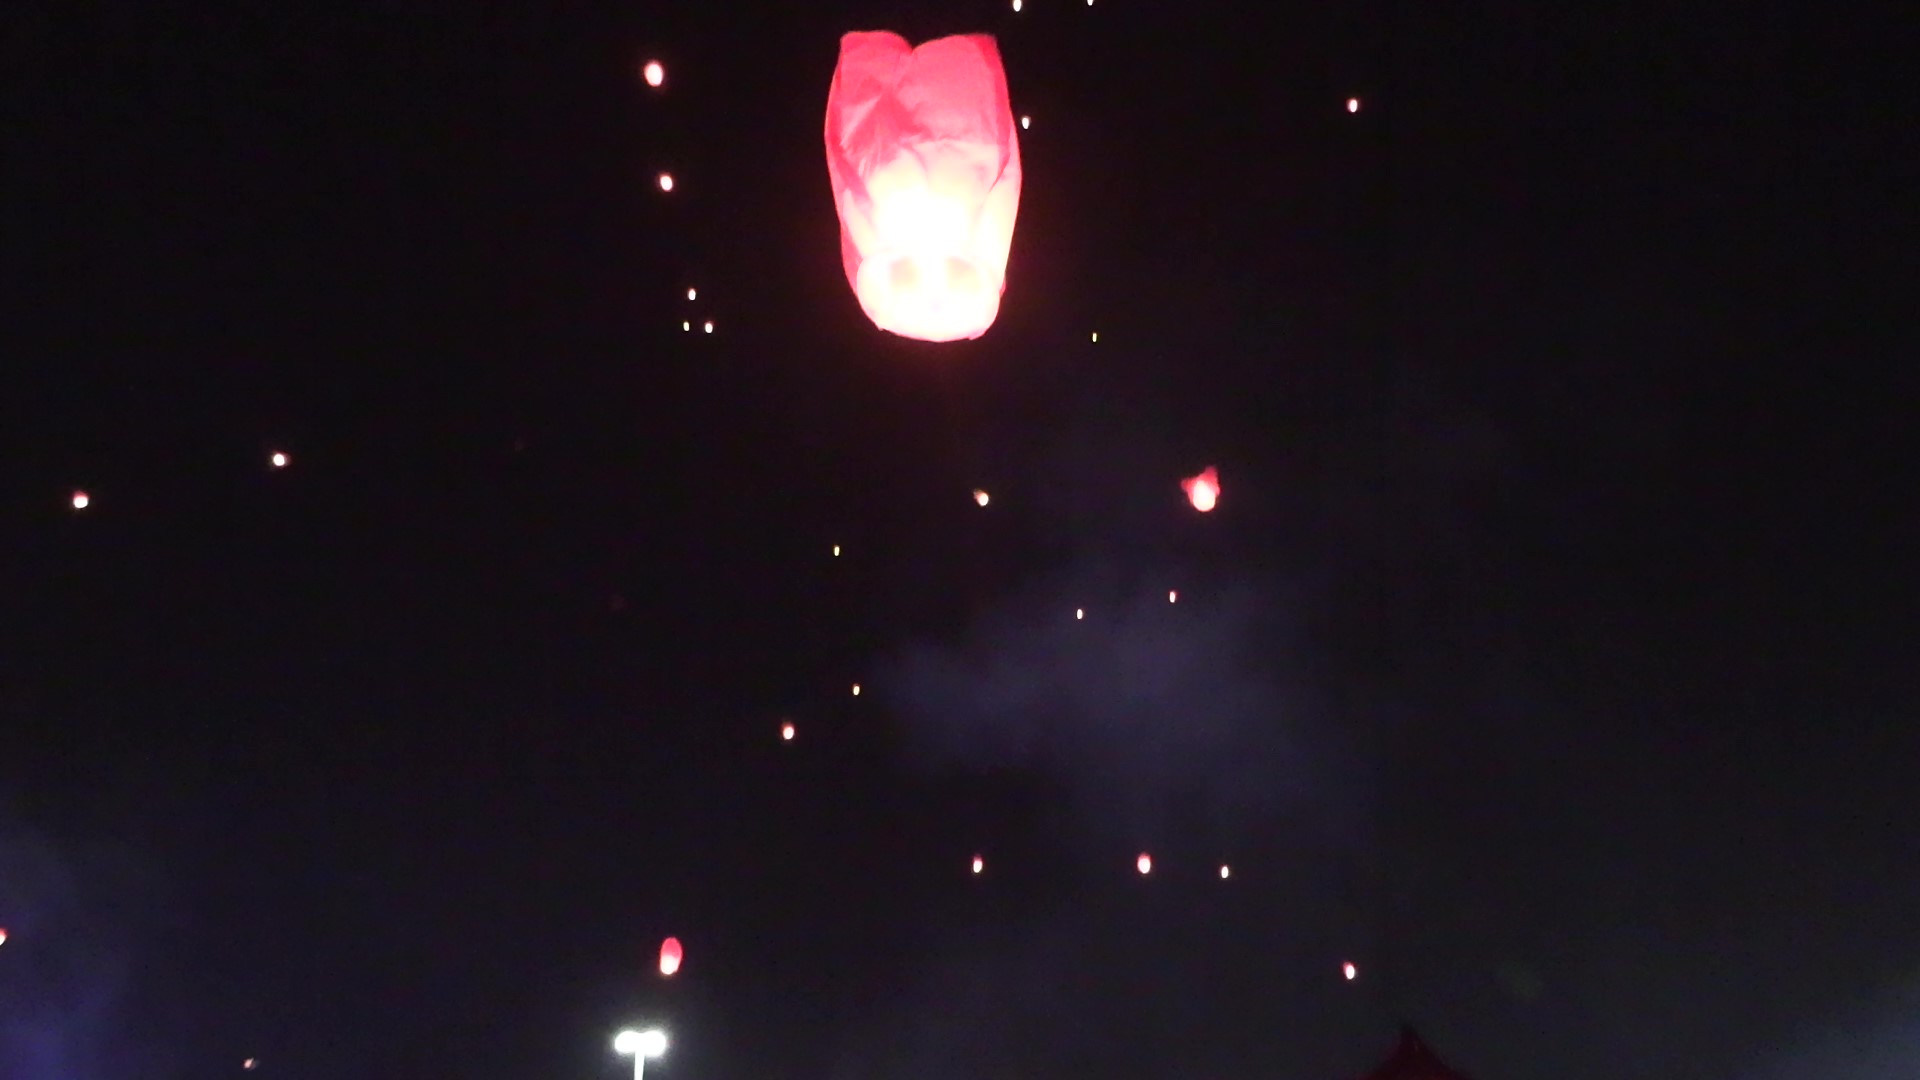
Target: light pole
{"x": 650, "y": 1043}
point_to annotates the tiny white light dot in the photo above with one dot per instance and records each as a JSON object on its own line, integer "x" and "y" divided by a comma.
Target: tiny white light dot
{"x": 279, "y": 460}
{"x": 80, "y": 500}
{"x": 709, "y": 326}
{"x": 666, "y": 181}
{"x": 654, "y": 73}
{"x": 1026, "y": 122}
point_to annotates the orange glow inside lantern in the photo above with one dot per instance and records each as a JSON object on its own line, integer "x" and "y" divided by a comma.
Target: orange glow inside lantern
{"x": 924, "y": 159}
{"x": 670, "y": 956}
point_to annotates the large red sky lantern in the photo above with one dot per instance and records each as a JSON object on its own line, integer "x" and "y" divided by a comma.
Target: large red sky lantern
{"x": 924, "y": 157}
{"x": 670, "y": 956}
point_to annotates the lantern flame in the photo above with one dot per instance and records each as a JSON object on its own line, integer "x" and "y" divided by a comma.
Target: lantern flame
{"x": 1203, "y": 491}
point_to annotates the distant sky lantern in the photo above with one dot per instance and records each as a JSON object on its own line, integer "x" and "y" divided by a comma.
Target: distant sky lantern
{"x": 856, "y": 689}
{"x": 979, "y": 864}
{"x": 709, "y": 326}
{"x": 1203, "y": 491}
{"x": 1026, "y": 122}
{"x": 279, "y": 460}
{"x": 836, "y": 551}
{"x": 655, "y": 73}
{"x": 1353, "y": 104}
{"x": 1079, "y": 613}
{"x": 1349, "y": 971}
{"x": 250, "y": 1064}
{"x": 693, "y": 294}
{"x": 1225, "y": 872}
{"x": 686, "y": 326}
{"x": 1016, "y": 5}
{"x": 925, "y": 165}
{"x": 1096, "y": 337}
{"x": 666, "y": 181}
{"x": 1173, "y": 596}
{"x": 670, "y": 956}
{"x": 981, "y": 497}
{"x": 80, "y": 500}
{"x": 786, "y": 731}
{"x": 1144, "y": 863}
{"x": 3, "y": 935}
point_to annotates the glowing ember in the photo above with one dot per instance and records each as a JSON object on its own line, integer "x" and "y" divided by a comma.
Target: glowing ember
{"x": 1144, "y": 863}
{"x": 279, "y": 460}
{"x": 980, "y": 497}
{"x": 80, "y": 500}
{"x": 1203, "y": 491}
{"x": 1349, "y": 971}
{"x": 655, "y": 73}
{"x": 979, "y": 863}
{"x": 670, "y": 956}
{"x": 1353, "y": 104}
{"x": 666, "y": 181}
{"x": 786, "y": 732}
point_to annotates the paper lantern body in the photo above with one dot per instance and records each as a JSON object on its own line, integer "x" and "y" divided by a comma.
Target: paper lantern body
{"x": 924, "y": 158}
{"x": 670, "y": 956}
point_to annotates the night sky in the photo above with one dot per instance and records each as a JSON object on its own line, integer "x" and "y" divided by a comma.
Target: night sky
{"x": 1550, "y": 655}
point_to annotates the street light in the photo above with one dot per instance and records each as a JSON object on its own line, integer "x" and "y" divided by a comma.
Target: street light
{"x": 650, "y": 1043}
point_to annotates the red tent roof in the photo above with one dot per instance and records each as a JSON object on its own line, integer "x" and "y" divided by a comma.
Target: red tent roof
{"x": 1412, "y": 1060}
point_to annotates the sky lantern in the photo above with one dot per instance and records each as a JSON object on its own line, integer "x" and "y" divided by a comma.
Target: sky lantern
{"x": 1016, "y": 6}
{"x": 1349, "y": 971}
{"x": 1096, "y": 337}
{"x": 693, "y": 294}
{"x": 670, "y": 956}
{"x": 655, "y": 73}
{"x": 925, "y": 165}
{"x": 1144, "y": 863}
{"x": 979, "y": 864}
{"x": 1026, "y": 122}
{"x": 1173, "y": 596}
{"x": 836, "y": 551}
{"x": 3, "y": 935}
{"x": 278, "y": 460}
{"x": 786, "y": 731}
{"x": 1079, "y": 613}
{"x": 666, "y": 181}
{"x": 80, "y": 500}
{"x": 1203, "y": 491}
{"x": 856, "y": 689}
{"x": 1225, "y": 871}
{"x": 250, "y": 1064}
{"x": 980, "y": 497}
{"x": 684, "y": 325}
{"x": 708, "y": 327}
{"x": 1353, "y": 104}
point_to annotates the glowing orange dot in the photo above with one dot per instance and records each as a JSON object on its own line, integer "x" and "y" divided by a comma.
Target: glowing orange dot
{"x": 80, "y": 500}
{"x": 666, "y": 181}
{"x": 979, "y": 864}
{"x": 279, "y": 460}
{"x": 1349, "y": 971}
{"x": 1353, "y": 104}
{"x": 981, "y": 497}
{"x": 786, "y": 732}
{"x": 1144, "y": 863}
{"x": 655, "y": 73}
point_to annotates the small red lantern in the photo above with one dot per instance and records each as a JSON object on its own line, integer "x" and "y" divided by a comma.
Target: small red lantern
{"x": 1203, "y": 491}
{"x": 670, "y": 955}
{"x": 924, "y": 159}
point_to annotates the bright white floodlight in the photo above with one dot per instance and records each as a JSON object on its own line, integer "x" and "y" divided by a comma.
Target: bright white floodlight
{"x": 642, "y": 1045}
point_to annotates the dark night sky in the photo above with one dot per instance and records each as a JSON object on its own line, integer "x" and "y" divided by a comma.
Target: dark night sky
{"x": 1551, "y": 655}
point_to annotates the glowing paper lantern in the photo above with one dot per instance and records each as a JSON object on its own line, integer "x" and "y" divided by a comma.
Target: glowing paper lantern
{"x": 1353, "y": 104}
{"x": 1349, "y": 971}
{"x": 250, "y": 1064}
{"x": 786, "y": 731}
{"x": 1144, "y": 863}
{"x": 709, "y": 326}
{"x": 655, "y": 74}
{"x": 981, "y": 497}
{"x": 666, "y": 181}
{"x": 979, "y": 864}
{"x": 1079, "y": 613}
{"x": 1016, "y": 5}
{"x": 1026, "y": 122}
{"x": 3, "y": 935}
{"x": 856, "y": 689}
{"x": 693, "y": 294}
{"x": 686, "y": 325}
{"x": 670, "y": 956}
{"x": 1203, "y": 491}
{"x": 1225, "y": 872}
{"x": 836, "y": 551}
{"x": 1173, "y": 596}
{"x": 80, "y": 500}
{"x": 925, "y": 165}
{"x": 278, "y": 460}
